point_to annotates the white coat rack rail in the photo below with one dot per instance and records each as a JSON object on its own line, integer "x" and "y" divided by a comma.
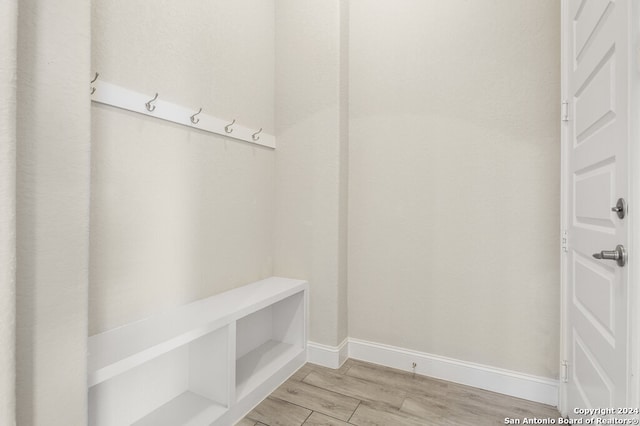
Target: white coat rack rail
{"x": 153, "y": 106}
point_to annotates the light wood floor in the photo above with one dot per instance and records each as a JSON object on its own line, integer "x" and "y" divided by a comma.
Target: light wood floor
{"x": 364, "y": 394}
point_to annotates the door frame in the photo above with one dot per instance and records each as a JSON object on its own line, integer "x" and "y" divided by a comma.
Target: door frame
{"x": 633, "y": 353}
{"x": 634, "y": 195}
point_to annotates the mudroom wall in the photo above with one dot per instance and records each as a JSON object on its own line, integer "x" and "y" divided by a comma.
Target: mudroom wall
{"x": 454, "y": 187}
{"x": 178, "y": 214}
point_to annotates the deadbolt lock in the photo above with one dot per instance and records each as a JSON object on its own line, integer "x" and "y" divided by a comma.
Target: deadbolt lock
{"x": 620, "y": 208}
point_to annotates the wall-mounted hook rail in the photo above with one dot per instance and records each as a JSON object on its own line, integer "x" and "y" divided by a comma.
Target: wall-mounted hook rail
{"x": 193, "y": 118}
{"x": 93, "y": 89}
{"x": 120, "y": 97}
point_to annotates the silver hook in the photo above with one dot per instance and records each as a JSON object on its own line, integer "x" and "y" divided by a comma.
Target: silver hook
{"x": 93, "y": 89}
{"x": 255, "y": 136}
{"x": 193, "y": 118}
{"x": 150, "y": 107}
{"x": 228, "y": 128}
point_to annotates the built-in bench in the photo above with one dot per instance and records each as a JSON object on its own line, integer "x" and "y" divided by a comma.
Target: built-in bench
{"x": 205, "y": 363}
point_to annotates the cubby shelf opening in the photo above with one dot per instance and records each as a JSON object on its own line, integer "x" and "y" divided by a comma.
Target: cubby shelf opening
{"x": 205, "y": 363}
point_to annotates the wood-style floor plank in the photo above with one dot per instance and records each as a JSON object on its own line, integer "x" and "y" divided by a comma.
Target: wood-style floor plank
{"x": 397, "y": 379}
{"x": 426, "y": 407}
{"x": 364, "y": 394}
{"x": 317, "y": 399}
{"x": 246, "y": 422}
{"x": 354, "y": 387}
{"x": 453, "y": 413}
{"x": 490, "y": 403}
{"x": 317, "y": 419}
{"x": 299, "y": 375}
{"x": 276, "y": 412}
{"x": 376, "y": 414}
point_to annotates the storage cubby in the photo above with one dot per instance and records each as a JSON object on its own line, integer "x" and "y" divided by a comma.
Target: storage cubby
{"x": 268, "y": 339}
{"x": 180, "y": 387}
{"x": 205, "y": 363}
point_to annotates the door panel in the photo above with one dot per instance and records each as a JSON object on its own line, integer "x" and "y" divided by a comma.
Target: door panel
{"x": 596, "y": 167}
{"x": 593, "y": 188}
{"x": 595, "y": 101}
{"x": 589, "y": 17}
{"x": 593, "y": 382}
{"x": 594, "y": 295}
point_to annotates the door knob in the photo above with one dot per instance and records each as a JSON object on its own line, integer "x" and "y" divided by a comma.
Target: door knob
{"x": 619, "y": 255}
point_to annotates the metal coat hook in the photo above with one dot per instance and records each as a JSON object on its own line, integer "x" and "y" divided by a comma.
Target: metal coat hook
{"x": 148, "y": 105}
{"x": 256, "y": 136}
{"x": 193, "y": 118}
{"x": 93, "y": 89}
{"x": 228, "y": 128}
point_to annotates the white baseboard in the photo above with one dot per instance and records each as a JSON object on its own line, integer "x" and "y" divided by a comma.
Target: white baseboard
{"x": 519, "y": 385}
{"x": 328, "y": 356}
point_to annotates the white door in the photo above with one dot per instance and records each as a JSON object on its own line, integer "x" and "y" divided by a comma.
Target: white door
{"x": 596, "y": 71}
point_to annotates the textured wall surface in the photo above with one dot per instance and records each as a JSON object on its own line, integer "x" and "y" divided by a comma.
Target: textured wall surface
{"x": 311, "y": 181}
{"x": 53, "y": 172}
{"x": 451, "y": 141}
{"x": 8, "y": 64}
{"x": 176, "y": 214}
{"x": 214, "y": 54}
{"x": 454, "y": 179}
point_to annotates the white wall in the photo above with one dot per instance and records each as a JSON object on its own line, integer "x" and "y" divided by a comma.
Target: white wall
{"x": 8, "y": 65}
{"x": 452, "y": 149}
{"x": 176, "y": 214}
{"x": 311, "y": 179}
{"x": 52, "y": 211}
{"x": 454, "y": 179}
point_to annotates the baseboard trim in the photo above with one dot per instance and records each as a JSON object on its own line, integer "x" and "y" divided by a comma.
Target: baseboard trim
{"x": 328, "y": 356}
{"x": 512, "y": 383}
